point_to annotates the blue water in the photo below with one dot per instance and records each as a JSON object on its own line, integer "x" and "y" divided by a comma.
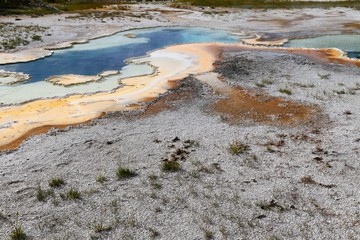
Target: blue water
{"x": 347, "y": 43}
{"x": 354, "y": 54}
{"x": 83, "y": 60}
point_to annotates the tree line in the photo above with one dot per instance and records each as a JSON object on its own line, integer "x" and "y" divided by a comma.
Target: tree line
{"x": 22, "y": 3}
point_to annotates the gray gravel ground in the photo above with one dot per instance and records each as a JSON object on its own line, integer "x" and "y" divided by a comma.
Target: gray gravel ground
{"x": 305, "y": 188}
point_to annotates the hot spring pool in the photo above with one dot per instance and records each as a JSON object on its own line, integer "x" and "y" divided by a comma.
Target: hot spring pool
{"x": 99, "y": 55}
{"x": 347, "y": 43}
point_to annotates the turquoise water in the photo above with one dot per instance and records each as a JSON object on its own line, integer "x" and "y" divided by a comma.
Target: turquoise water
{"x": 347, "y": 43}
{"x": 97, "y": 56}
{"x": 109, "y": 53}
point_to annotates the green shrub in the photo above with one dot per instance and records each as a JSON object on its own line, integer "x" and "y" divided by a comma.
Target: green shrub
{"x": 36, "y": 38}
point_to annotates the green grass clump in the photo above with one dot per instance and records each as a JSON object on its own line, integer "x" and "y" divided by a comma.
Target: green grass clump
{"x": 99, "y": 227}
{"x": 18, "y": 233}
{"x": 73, "y": 194}
{"x": 101, "y": 179}
{"x": 156, "y": 185}
{"x": 56, "y": 182}
{"x": 285, "y": 91}
{"x": 36, "y": 38}
{"x": 208, "y": 234}
{"x": 264, "y": 83}
{"x": 324, "y": 76}
{"x": 171, "y": 166}
{"x": 125, "y": 173}
{"x": 340, "y": 92}
{"x": 41, "y": 195}
{"x": 237, "y": 148}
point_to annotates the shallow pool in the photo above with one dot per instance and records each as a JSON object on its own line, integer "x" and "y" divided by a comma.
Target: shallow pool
{"x": 109, "y": 53}
{"x": 347, "y": 43}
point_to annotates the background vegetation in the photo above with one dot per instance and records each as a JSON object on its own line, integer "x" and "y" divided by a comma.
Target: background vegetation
{"x": 39, "y": 7}
{"x": 51, "y": 6}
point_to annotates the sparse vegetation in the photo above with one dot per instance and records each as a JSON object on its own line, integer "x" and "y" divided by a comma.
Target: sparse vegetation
{"x": 269, "y": 206}
{"x": 237, "y": 148}
{"x": 56, "y": 182}
{"x": 13, "y": 35}
{"x": 125, "y": 173}
{"x": 73, "y": 194}
{"x": 100, "y": 227}
{"x": 153, "y": 177}
{"x": 324, "y": 76}
{"x": 307, "y": 180}
{"x": 18, "y": 233}
{"x": 156, "y": 185}
{"x": 264, "y": 83}
{"x": 191, "y": 143}
{"x": 101, "y": 179}
{"x": 171, "y": 166}
{"x": 270, "y": 149}
{"x": 340, "y": 92}
{"x": 208, "y": 234}
{"x": 285, "y": 91}
{"x": 131, "y": 221}
{"x": 303, "y": 85}
{"x": 222, "y": 230}
{"x": 36, "y": 38}
{"x": 41, "y": 195}
{"x": 153, "y": 181}
{"x": 32, "y": 7}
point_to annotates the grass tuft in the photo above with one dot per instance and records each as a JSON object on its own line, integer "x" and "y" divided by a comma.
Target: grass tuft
{"x": 171, "y": 166}
{"x": 324, "y": 76}
{"x": 56, "y": 182}
{"x": 101, "y": 179}
{"x": 100, "y": 227}
{"x": 208, "y": 234}
{"x": 125, "y": 173}
{"x": 41, "y": 194}
{"x": 285, "y": 91}
{"x": 73, "y": 194}
{"x": 237, "y": 148}
{"x": 18, "y": 233}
